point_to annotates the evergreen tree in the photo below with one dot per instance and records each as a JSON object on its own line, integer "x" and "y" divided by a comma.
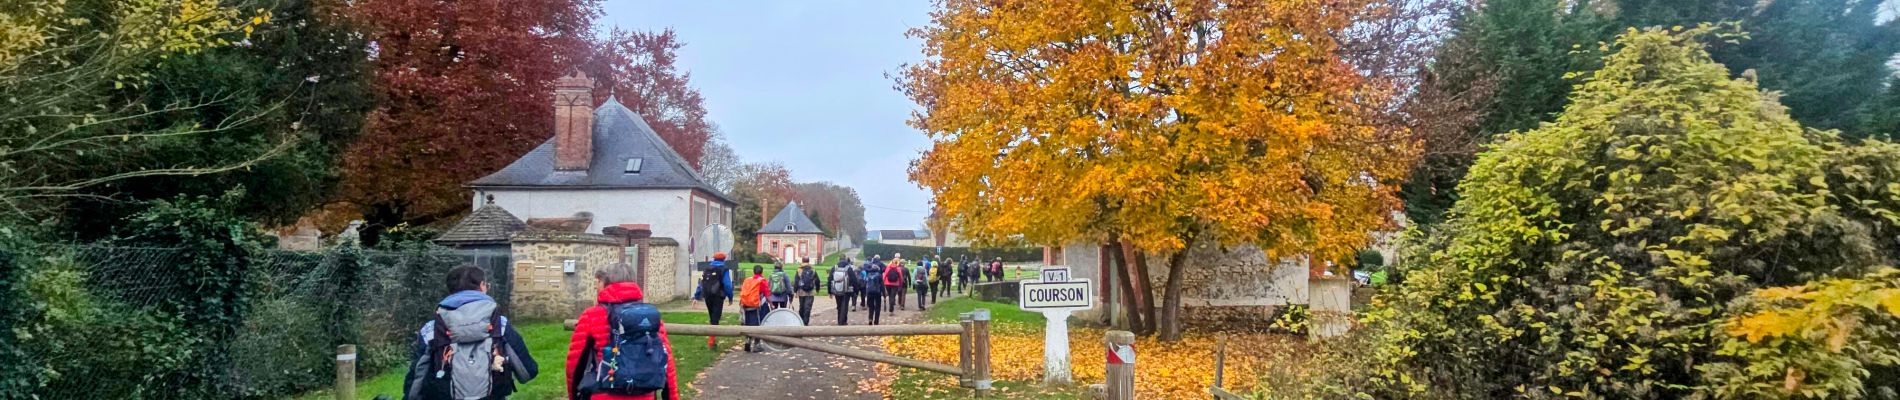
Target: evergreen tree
{"x": 305, "y": 74}
{"x": 1827, "y": 58}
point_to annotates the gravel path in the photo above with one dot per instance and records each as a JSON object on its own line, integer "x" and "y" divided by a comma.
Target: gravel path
{"x": 800, "y": 373}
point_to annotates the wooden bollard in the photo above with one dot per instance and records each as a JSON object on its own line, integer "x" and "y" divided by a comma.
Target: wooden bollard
{"x": 1121, "y": 365}
{"x": 965, "y": 361}
{"x": 980, "y": 350}
{"x": 346, "y": 372}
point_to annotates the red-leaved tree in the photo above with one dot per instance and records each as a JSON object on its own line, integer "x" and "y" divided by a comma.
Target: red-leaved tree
{"x": 638, "y": 69}
{"x": 463, "y": 89}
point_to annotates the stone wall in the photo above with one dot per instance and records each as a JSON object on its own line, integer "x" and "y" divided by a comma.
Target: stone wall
{"x": 663, "y": 264}
{"x": 1237, "y": 285}
{"x": 543, "y": 289}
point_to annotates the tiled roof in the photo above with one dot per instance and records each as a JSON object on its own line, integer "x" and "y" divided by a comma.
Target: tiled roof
{"x": 794, "y": 217}
{"x": 897, "y": 235}
{"x": 619, "y": 134}
{"x": 487, "y": 225}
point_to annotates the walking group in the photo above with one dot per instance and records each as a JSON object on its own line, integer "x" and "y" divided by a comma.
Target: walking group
{"x": 619, "y": 349}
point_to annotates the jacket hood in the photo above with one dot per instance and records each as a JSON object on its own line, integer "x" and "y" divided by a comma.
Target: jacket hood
{"x": 620, "y": 293}
{"x": 458, "y": 299}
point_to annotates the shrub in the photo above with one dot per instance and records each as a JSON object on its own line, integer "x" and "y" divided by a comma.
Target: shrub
{"x": 1017, "y": 254}
{"x": 1597, "y": 256}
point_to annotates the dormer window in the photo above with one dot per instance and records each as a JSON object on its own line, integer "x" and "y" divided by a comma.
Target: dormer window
{"x": 790, "y": 228}
{"x": 633, "y": 165}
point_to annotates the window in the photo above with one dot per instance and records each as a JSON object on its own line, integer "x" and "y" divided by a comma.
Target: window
{"x": 790, "y": 228}
{"x": 633, "y": 165}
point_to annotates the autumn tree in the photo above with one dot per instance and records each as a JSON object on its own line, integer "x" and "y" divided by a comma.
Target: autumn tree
{"x": 463, "y": 89}
{"x": 638, "y": 69}
{"x": 1154, "y": 125}
{"x": 836, "y": 208}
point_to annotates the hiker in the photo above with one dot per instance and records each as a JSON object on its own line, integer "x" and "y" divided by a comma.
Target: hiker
{"x": 965, "y": 270}
{"x": 873, "y": 294}
{"x": 945, "y": 273}
{"x": 936, "y": 263}
{"x": 996, "y": 269}
{"x": 715, "y": 288}
{"x": 752, "y": 296}
{"x": 619, "y": 349}
{"x": 781, "y": 286}
{"x": 856, "y": 296}
{"x": 920, "y": 279}
{"x": 805, "y": 287}
{"x": 893, "y": 279}
{"x": 841, "y": 284}
{"x": 466, "y": 331}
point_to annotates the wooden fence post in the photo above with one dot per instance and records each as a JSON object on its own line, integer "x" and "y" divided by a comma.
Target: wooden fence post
{"x": 1121, "y": 365}
{"x": 980, "y": 350}
{"x": 965, "y": 360}
{"x": 346, "y": 372}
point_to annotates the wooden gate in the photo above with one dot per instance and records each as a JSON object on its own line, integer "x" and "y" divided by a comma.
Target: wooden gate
{"x": 973, "y": 350}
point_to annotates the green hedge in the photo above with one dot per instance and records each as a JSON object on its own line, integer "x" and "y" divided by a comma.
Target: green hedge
{"x": 1015, "y": 254}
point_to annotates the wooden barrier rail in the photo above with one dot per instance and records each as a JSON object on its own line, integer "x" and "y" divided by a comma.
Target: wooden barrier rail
{"x": 813, "y": 331}
{"x": 865, "y": 355}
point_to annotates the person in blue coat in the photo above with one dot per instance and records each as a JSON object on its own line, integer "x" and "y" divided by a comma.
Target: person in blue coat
{"x": 468, "y": 304}
{"x": 715, "y": 288}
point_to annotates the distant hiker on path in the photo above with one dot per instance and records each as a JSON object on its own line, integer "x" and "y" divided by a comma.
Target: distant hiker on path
{"x": 781, "y": 286}
{"x": 893, "y": 279}
{"x": 468, "y": 351}
{"x": 945, "y": 272}
{"x": 996, "y": 270}
{"x": 966, "y": 274}
{"x": 920, "y": 279}
{"x": 619, "y": 350}
{"x": 805, "y": 287}
{"x": 752, "y": 296}
{"x": 873, "y": 289}
{"x": 840, "y": 282}
{"x": 715, "y": 288}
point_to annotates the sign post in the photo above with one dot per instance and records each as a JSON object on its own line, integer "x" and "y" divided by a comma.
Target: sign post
{"x": 1056, "y": 296}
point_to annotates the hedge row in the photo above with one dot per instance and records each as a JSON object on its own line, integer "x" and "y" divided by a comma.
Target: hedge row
{"x": 1011, "y": 254}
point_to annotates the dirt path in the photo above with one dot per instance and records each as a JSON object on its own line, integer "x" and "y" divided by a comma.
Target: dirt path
{"x": 800, "y": 373}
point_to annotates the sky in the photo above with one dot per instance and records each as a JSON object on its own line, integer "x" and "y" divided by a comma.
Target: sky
{"x": 805, "y": 83}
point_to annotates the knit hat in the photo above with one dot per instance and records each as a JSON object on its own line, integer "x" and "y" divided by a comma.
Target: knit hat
{"x": 721, "y": 256}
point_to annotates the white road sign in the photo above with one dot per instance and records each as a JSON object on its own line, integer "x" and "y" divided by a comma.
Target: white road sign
{"x": 1049, "y": 296}
{"x": 1055, "y": 274}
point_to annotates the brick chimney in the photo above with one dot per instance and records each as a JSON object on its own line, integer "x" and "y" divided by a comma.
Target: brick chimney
{"x": 573, "y": 122}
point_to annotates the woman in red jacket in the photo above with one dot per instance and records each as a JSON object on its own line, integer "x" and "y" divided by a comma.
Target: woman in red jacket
{"x": 616, "y": 286}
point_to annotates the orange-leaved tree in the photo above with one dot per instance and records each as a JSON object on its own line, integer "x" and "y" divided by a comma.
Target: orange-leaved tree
{"x": 1156, "y": 125}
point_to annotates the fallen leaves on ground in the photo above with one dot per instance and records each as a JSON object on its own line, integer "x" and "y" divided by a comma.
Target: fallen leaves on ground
{"x": 1163, "y": 370}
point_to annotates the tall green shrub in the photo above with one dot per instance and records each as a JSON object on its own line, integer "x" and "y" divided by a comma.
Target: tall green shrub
{"x": 1595, "y": 256}
{"x": 218, "y": 248}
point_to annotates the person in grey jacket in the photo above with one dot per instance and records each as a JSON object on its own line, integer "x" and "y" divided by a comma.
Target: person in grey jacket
{"x": 466, "y": 323}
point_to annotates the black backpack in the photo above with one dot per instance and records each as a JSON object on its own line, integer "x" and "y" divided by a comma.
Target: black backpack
{"x": 711, "y": 283}
{"x": 634, "y": 360}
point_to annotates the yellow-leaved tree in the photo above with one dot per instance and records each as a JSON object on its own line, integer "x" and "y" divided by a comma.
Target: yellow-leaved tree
{"x": 1156, "y": 125}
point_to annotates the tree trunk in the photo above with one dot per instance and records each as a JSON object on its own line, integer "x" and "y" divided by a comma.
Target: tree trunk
{"x": 1171, "y": 310}
{"x": 1119, "y": 263}
{"x": 1144, "y": 293}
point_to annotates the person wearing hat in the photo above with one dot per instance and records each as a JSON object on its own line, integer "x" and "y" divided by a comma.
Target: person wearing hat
{"x": 715, "y": 288}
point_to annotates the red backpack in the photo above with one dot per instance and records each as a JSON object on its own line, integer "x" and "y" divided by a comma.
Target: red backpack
{"x": 893, "y": 276}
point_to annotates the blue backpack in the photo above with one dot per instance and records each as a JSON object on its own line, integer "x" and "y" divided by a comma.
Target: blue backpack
{"x": 634, "y": 360}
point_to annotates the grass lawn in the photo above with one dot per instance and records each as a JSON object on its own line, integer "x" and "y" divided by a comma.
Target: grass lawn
{"x": 548, "y": 342}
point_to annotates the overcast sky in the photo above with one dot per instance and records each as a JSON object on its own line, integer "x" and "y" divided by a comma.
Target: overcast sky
{"x": 803, "y": 83}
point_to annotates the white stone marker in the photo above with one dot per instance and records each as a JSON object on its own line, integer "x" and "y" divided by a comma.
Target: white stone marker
{"x": 1056, "y": 296}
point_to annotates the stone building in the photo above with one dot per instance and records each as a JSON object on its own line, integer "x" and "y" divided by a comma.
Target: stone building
{"x": 604, "y": 169}
{"x": 791, "y": 236}
{"x": 605, "y": 188}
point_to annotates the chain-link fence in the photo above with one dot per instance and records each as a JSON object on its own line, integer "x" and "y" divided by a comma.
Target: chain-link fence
{"x": 102, "y": 323}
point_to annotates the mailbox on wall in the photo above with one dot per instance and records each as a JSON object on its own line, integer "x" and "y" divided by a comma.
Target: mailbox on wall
{"x": 567, "y": 266}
